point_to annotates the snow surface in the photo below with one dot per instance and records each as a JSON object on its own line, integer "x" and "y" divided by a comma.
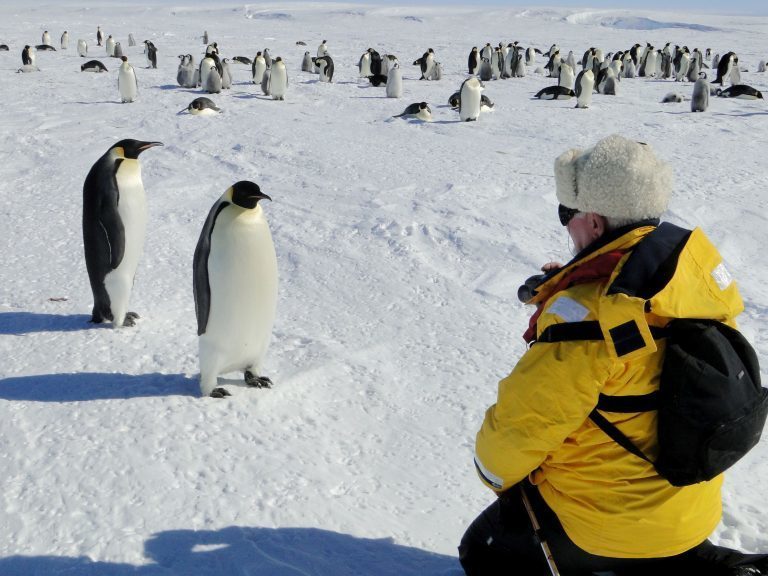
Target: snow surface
{"x": 400, "y": 248}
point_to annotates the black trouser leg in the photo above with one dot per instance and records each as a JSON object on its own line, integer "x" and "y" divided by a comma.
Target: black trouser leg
{"x": 501, "y": 541}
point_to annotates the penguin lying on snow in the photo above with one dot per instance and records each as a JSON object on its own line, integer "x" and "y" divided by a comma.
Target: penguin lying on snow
{"x": 114, "y": 224}
{"x": 202, "y": 106}
{"x": 740, "y": 91}
{"x": 672, "y": 97}
{"x": 555, "y": 93}
{"x": 235, "y": 288}
{"x": 418, "y": 110}
{"x": 243, "y": 60}
{"x": 93, "y": 66}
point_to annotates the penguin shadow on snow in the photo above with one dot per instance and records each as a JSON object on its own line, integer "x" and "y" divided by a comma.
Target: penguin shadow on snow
{"x": 84, "y": 386}
{"x": 19, "y": 323}
{"x": 243, "y": 550}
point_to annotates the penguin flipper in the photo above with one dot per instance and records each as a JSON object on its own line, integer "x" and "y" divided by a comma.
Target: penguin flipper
{"x": 111, "y": 224}
{"x": 201, "y": 286}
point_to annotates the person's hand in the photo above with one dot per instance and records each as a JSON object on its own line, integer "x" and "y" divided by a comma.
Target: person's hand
{"x": 549, "y": 266}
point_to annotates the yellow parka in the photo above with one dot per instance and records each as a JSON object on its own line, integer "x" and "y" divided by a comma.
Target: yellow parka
{"x": 609, "y": 501}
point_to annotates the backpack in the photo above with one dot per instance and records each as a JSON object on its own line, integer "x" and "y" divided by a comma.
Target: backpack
{"x": 711, "y": 405}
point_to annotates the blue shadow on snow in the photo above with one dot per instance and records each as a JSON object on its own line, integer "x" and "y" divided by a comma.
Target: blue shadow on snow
{"x": 254, "y": 552}
{"x": 84, "y": 386}
{"x": 18, "y": 323}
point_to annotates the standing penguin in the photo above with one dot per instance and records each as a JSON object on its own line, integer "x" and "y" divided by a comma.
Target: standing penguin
{"x": 306, "y": 63}
{"x": 322, "y": 49}
{"x": 110, "y": 45}
{"x": 585, "y": 83}
{"x": 131, "y": 40}
{"x": 258, "y": 67}
{"x": 114, "y": 224}
{"x": 278, "y": 79}
{"x": 99, "y": 36}
{"x": 470, "y": 99}
{"x": 46, "y": 38}
{"x": 82, "y": 48}
{"x": 226, "y": 75}
{"x": 65, "y": 40}
{"x": 27, "y": 56}
{"x": 473, "y": 61}
{"x": 118, "y": 51}
{"x": 566, "y": 76}
{"x": 151, "y": 53}
{"x": 325, "y": 68}
{"x": 235, "y": 288}
{"x": 395, "y": 82}
{"x": 127, "y": 84}
{"x": 700, "y": 97}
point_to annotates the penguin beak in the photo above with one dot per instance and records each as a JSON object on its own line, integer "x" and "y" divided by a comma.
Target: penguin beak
{"x": 148, "y": 145}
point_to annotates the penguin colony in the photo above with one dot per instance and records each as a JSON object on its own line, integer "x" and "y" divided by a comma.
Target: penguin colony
{"x": 234, "y": 327}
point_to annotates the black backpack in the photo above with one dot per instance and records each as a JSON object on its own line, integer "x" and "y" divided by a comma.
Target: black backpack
{"x": 711, "y": 405}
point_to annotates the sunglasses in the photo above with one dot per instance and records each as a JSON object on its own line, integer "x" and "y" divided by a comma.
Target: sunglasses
{"x": 566, "y": 214}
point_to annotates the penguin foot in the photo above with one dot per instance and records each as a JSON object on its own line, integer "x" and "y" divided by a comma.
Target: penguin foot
{"x": 257, "y": 381}
{"x": 220, "y": 393}
{"x": 130, "y": 319}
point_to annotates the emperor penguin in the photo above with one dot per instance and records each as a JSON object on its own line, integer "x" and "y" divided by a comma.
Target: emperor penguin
{"x": 322, "y": 49}
{"x": 110, "y": 45}
{"x": 417, "y": 110}
{"x": 364, "y": 64}
{"x": 265, "y": 82}
{"x": 46, "y": 38}
{"x": 99, "y": 36}
{"x": 205, "y": 36}
{"x": 473, "y": 61}
{"x": 324, "y": 65}
{"x": 486, "y": 72}
{"x": 82, "y": 48}
{"x": 585, "y": 83}
{"x": 65, "y": 40}
{"x": 226, "y": 75}
{"x": 114, "y": 225}
{"x": 278, "y": 79}
{"x": 470, "y": 99}
{"x": 700, "y": 97}
{"x": 258, "y": 67}
{"x": 202, "y": 106}
{"x": 151, "y": 53}
{"x": 118, "y": 51}
{"x": 395, "y": 82}
{"x": 131, "y": 39}
{"x": 127, "y": 84}
{"x": 306, "y": 63}
{"x": 267, "y": 58}
{"x": 27, "y": 56}
{"x": 566, "y": 77}
{"x": 213, "y": 81}
{"x": 530, "y": 56}
{"x": 235, "y": 288}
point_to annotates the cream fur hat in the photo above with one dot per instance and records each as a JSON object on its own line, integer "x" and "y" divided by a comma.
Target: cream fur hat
{"x": 617, "y": 178}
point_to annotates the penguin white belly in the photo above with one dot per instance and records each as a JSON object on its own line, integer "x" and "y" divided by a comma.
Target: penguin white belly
{"x": 278, "y": 82}
{"x": 132, "y": 209}
{"x": 126, "y": 82}
{"x": 242, "y": 275}
{"x": 470, "y": 105}
{"x": 258, "y": 70}
{"x": 395, "y": 83}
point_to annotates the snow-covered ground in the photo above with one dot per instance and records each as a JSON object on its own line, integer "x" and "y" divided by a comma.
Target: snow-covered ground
{"x": 400, "y": 247}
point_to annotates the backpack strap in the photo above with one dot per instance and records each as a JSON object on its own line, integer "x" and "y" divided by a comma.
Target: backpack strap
{"x": 617, "y": 435}
{"x": 586, "y": 330}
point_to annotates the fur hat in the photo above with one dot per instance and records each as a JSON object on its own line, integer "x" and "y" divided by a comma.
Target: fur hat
{"x": 616, "y": 178}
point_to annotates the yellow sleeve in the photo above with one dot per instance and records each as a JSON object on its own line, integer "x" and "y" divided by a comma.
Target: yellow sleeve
{"x": 547, "y": 397}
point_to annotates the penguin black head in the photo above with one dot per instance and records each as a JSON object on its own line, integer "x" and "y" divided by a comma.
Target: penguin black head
{"x": 132, "y": 148}
{"x": 124, "y": 58}
{"x": 247, "y": 194}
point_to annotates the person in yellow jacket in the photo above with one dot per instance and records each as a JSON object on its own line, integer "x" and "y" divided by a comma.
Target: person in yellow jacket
{"x": 599, "y": 507}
